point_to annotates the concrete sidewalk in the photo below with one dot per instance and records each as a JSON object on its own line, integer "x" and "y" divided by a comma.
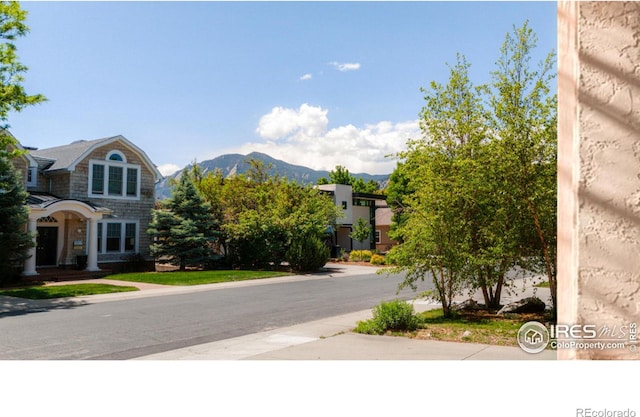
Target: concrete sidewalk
{"x": 332, "y": 339}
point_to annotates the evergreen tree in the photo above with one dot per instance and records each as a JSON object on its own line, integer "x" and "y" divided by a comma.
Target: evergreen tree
{"x": 15, "y": 241}
{"x": 182, "y": 227}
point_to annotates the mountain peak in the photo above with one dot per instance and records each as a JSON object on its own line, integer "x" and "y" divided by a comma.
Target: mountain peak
{"x": 234, "y": 164}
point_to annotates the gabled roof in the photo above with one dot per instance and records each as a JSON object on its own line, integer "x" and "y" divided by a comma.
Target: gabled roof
{"x": 66, "y": 157}
{"x": 30, "y": 160}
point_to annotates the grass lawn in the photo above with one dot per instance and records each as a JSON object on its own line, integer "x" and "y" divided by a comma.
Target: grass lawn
{"x": 195, "y": 277}
{"x": 544, "y": 284}
{"x": 59, "y": 291}
{"x": 474, "y": 327}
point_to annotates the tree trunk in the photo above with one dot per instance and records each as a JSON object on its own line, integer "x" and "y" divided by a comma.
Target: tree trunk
{"x": 547, "y": 258}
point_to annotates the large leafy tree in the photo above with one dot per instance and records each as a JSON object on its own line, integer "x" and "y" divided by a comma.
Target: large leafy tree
{"x": 477, "y": 193}
{"x": 13, "y": 97}
{"x": 524, "y": 121}
{"x": 267, "y": 220}
{"x": 441, "y": 214}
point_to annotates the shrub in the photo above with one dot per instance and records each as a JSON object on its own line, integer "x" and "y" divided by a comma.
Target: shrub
{"x": 360, "y": 255}
{"x": 307, "y": 253}
{"x": 393, "y": 315}
{"x": 377, "y": 260}
{"x": 368, "y": 327}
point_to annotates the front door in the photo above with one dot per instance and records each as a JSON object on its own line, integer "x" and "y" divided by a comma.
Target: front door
{"x": 47, "y": 246}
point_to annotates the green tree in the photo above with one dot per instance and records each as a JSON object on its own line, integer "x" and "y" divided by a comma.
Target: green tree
{"x": 341, "y": 175}
{"x": 361, "y": 230}
{"x": 182, "y": 228}
{"x": 13, "y": 96}
{"x": 13, "y": 214}
{"x": 524, "y": 121}
{"x": 267, "y": 220}
{"x": 368, "y": 187}
{"x": 441, "y": 169}
{"x": 477, "y": 193}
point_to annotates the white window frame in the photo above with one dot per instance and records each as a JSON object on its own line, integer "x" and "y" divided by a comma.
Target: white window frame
{"x": 125, "y": 171}
{"x": 123, "y": 236}
{"x": 33, "y": 172}
{"x": 378, "y": 236}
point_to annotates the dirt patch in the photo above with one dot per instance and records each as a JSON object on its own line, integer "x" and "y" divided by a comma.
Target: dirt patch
{"x": 478, "y": 326}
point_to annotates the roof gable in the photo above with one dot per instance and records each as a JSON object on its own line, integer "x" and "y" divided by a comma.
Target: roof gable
{"x": 31, "y": 162}
{"x": 66, "y": 157}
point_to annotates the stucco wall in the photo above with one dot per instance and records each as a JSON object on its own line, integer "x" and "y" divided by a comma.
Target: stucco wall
{"x": 599, "y": 169}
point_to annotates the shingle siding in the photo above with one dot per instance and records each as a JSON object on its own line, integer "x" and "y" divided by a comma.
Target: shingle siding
{"x": 136, "y": 210}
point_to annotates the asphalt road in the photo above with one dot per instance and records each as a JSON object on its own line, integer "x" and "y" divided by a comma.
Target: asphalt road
{"x": 143, "y": 326}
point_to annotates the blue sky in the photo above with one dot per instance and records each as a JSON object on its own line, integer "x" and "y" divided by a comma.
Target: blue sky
{"x": 316, "y": 84}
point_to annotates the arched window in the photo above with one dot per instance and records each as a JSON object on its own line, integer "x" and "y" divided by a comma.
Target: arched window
{"x": 116, "y": 156}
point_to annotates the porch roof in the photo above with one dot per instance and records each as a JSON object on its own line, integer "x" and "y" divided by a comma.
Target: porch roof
{"x": 39, "y": 201}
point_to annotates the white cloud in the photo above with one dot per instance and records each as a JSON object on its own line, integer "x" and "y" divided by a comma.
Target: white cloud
{"x": 284, "y": 123}
{"x": 301, "y": 136}
{"x": 306, "y": 77}
{"x": 168, "y": 169}
{"x": 346, "y": 66}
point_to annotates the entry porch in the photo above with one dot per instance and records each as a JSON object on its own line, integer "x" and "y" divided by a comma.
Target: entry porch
{"x": 65, "y": 234}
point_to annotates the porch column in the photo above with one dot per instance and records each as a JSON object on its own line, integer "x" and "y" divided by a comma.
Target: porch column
{"x": 30, "y": 263}
{"x": 92, "y": 255}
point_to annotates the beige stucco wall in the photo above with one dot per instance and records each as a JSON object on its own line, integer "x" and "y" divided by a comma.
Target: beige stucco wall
{"x": 599, "y": 168}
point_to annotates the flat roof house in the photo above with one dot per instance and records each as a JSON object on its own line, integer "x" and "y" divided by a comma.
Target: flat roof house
{"x": 89, "y": 202}
{"x": 370, "y": 207}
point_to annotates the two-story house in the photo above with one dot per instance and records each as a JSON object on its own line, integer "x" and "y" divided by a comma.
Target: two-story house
{"x": 370, "y": 207}
{"x": 89, "y": 202}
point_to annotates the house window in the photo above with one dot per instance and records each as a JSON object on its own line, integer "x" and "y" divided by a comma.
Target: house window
{"x": 114, "y": 237}
{"x": 114, "y": 178}
{"x": 344, "y": 205}
{"x": 378, "y": 234}
{"x": 32, "y": 176}
{"x": 99, "y": 237}
{"x": 132, "y": 182}
{"x": 130, "y": 237}
{"x": 116, "y": 156}
{"x": 97, "y": 179}
{"x": 119, "y": 236}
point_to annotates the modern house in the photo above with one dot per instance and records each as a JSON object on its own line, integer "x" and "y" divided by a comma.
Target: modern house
{"x": 90, "y": 203}
{"x": 370, "y": 207}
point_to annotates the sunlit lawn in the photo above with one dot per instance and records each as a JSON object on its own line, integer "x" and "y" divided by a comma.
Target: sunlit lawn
{"x": 196, "y": 277}
{"x": 60, "y": 291}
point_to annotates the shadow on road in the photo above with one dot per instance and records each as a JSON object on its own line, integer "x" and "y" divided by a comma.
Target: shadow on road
{"x": 13, "y": 306}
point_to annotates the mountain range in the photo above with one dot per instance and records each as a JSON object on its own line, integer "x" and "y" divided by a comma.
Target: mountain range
{"x": 233, "y": 164}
